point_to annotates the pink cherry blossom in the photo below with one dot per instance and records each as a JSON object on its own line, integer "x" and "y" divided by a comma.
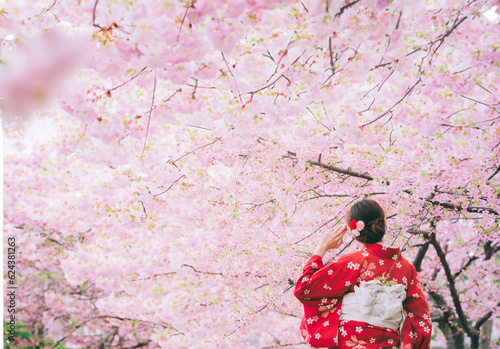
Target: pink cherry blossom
{"x": 360, "y": 225}
{"x": 195, "y": 151}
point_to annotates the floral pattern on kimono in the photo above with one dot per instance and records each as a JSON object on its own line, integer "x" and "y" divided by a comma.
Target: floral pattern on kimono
{"x": 355, "y": 334}
{"x": 321, "y": 289}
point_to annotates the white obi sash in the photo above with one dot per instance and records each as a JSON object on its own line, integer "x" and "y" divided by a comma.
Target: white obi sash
{"x": 375, "y": 303}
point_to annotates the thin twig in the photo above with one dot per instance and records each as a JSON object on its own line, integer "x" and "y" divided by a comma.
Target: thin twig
{"x": 406, "y": 244}
{"x": 144, "y": 209}
{"x": 126, "y": 82}
{"x": 188, "y": 6}
{"x": 44, "y": 11}
{"x": 203, "y": 146}
{"x": 165, "y": 100}
{"x": 170, "y": 187}
{"x": 264, "y": 285}
{"x": 236, "y": 82}
{"x": 304, "y": 6}
{"x": 279, "y": 76}
{"x": 155, "y": 275}
{"x": 149, "y": 118}
{"x": 195, "y": 87}
{"x": 318, "y": 229}
{"x": 93, "y": 15}
{"x": 407, "y": 93}
{"x": 479, "y": 102}
{"x": 310, "y": 111}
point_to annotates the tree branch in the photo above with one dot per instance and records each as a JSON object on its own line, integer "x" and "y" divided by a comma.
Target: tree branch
{"x": 344, "y": 171}
{"x": 469, "y": 262}
{"x": 345, "y": 7}
{"x": 201, "y": 272}
{"x": 494, "y": 173}
{"x": 441, "y": 37}
{"x": 341, "y": 170}
{"x": 470, "y": 209}
{"x": 485, "y": 318}
{"x": 417, "y": 263}
{"x": 490, "y": 250}
{"x": 139, "y": 345}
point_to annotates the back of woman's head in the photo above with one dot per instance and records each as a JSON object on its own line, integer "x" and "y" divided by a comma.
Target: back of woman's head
{"x": 373, "y": 217}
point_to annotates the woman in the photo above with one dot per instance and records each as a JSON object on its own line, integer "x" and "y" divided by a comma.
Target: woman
{"x": 366, "y": 299}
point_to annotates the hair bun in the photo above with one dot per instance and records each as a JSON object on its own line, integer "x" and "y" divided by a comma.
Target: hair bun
{"x": 377, "y": 226}
{"x": 373, "y": 216}
{"x": 373, "y": 232}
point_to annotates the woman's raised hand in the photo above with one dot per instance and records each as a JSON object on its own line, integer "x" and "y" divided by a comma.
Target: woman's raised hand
{"x": 331, "y": 240}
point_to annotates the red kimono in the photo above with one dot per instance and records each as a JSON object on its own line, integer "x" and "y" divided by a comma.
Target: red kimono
{"x": 321, "y": 289}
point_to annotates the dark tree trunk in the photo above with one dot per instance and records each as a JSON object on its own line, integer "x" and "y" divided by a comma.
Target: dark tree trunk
{"x": 454, "y": 334}
{"x": 474, "y": 342}
{"x": 454, "y": 340}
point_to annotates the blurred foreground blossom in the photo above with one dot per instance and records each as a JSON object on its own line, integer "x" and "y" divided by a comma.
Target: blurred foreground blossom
{"x": 34, "y": 70}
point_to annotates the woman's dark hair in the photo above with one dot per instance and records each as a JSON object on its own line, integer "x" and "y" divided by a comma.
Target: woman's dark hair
{"x": 373, "y": 216}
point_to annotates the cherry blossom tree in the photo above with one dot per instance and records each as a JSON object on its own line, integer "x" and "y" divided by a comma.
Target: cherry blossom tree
{"x": 170, "y": 165}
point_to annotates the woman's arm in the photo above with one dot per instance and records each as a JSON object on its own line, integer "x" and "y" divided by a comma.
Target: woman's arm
{"x": 330, "y": 241}
{"x": 319, "y": 284}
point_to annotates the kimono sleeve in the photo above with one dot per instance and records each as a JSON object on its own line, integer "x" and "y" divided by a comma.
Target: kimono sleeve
{"x": 318, "y": 282}
{"x": 417, "y": 327}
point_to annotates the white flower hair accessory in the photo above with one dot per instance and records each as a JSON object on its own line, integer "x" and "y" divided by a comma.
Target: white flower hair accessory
{"x": 356, "y": 226}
